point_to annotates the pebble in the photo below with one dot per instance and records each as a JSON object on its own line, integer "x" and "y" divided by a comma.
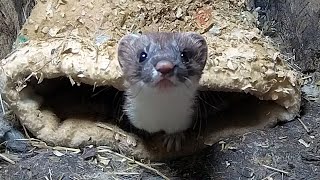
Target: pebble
{"x": 12, "y": 144}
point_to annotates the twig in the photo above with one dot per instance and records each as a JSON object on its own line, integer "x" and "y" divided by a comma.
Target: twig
{"x": 61, "y": 177}
{"x": 58, "y": 148}
{"x": 275, "y": 169}
{"x": 110, "y": 128}
{"x": 24, "y": 10}
{"x": 40, "y": 144}
{"x": 121, "y": 173}
{"x": 50, "y": 174}
{"x": 2, "y": 106}
{"x": 304, "y": 125}
{"x": 26, "y": 133}
{"x": 138, "y": 163}
{"x": 7, "y": 159}
{"x": 31, "y": 139}
{"x": 306, "y": 77}
{"x": 269, "y": 176}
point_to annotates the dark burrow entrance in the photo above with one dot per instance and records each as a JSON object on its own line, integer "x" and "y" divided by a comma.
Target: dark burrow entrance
{"x": 215, "y": 111}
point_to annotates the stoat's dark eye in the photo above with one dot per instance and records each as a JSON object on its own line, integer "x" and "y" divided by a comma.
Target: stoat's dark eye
{"x": 184, "y": 57}
{"x": 143, "y": 56}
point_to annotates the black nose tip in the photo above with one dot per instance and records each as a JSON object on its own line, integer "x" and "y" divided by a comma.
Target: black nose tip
{"x": 164, "y": 67}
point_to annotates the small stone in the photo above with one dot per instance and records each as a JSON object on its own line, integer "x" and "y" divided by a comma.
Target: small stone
{"x": 104, "y": 161}
{"x": 291, "y": 165}
{"x": 13, "y": 144}
{"x": 89, "y": 152}
{"x": 303, "y": 142}
{"x": 36, "y": 27}
{"x": 53, "y": 31}
{"x": 5, "y": 126}
{"x": 215, "y": 30}
{"x": 45, "y": 30}
{"x": 247, "y": 172}
{"x": 179, "y": 13}
{"x": 228, "y": 164}
{"x": 57, "y": 153}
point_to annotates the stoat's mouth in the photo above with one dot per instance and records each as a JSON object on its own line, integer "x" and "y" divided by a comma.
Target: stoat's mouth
{"x": 164, "y": 84}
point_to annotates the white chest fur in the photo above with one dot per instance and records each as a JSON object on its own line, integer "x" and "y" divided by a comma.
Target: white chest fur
{"x": 153, "y": 111}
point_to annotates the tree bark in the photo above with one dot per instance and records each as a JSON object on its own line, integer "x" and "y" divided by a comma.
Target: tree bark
{"x": 296, "y": 23}
{"x": 13, "y": 14}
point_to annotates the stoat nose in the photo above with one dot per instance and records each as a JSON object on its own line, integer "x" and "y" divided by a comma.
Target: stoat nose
{"x": 164, "y": 67}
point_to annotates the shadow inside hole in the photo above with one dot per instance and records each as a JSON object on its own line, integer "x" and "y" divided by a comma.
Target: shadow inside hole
{"x": 84, "y": 101}
{"x": 214, "y": 111}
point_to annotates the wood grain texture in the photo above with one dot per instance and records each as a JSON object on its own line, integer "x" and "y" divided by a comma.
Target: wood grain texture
{"x": 13, "y": 14}
{"x": 296, "y": 24}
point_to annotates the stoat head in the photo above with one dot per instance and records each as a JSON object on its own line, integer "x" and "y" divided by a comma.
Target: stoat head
{"x": 162, "y": 60}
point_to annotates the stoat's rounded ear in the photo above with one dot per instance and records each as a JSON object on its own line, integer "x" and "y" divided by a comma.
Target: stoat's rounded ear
{"x": 197, "y": 39}
{"x": 126, "y": 48}
{"x": 198, "y": 43}
{"x": 128, "y": 39}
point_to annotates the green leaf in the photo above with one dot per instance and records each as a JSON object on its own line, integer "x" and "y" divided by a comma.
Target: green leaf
{"x": 22, "y": 39}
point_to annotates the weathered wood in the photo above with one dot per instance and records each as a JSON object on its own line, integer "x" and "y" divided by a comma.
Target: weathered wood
{"x": 296, "y": 23}
{"x": 13, "y": 14}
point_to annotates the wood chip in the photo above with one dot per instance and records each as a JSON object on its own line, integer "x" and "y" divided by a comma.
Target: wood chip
{"x": 304, "y": 143}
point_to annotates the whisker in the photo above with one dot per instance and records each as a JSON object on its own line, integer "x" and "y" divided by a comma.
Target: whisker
{"x": 199, "y": 94}
{"x": 200, "y": 122}
{"x": 115, "y": 97}
{"x": 114, "y": 105}
{"x": 212, "y": 106}
{"x": 119, "y": 108}
{"x": 188, "y": 81}
{"x": 95, "y": 94}
{"x": 196, "y": 118}
{"x": 220, "y": 99}
{"x": 188, "y": 87}
{"x": 141, "y": 87}
{"x": 121, "y": 117}
{"x": 134, "y": 82}
{"x": 209, "y": 99}
{"x": 205, "y": 113}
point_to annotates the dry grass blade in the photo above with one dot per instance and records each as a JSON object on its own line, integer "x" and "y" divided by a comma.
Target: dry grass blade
{"x": 6, "y": 159}
{"x": 122, "y": 173}
{"x": 26, "y": 132}
{"x": 136, "y": 162}
{"x": 40, "y": 144}
{"x": 110, "y": 128}
{"x": 275, "y": 169}
{"x": 58, "y": 148}
{"x": 269, "y": 176}
{"x": 2, "y": 105}
{"x": 304, "y": 125}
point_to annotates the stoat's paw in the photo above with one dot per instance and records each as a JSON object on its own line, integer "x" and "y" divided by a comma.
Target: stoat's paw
{"x": 174, "y": 140}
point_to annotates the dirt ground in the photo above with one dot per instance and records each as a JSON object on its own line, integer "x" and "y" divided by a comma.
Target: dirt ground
{"x": 286, "y": 151}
